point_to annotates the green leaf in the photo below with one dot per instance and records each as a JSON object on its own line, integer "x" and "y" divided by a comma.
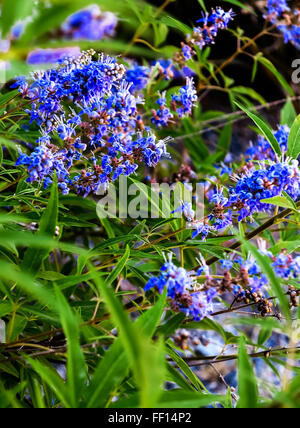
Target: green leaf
{"x": 176, "y": 399}
{"x": 264, "y": 335}
{"x": 224, "y": 142}
{"x": 76, "y": 372}
{"x": 294, "y": 139}
{"x": 249, "y": 92}
{"x": 175, "y": 23}
{"x": 239, "y": 4}
{"x": 280, "y": 201}
{"x": 264, "y": 127}
{"x": 288, "y": 114}
{"x": 119, "y": 267}
{"x": 278, "y": 76}
{"x": 114, "y": 366}
{"x": 28, "y": 283}
{"x": 195, "y": 381}
{"x": 34, "y": 257}
{"x": 13, "y": 10}
{"x": 53, "y": 380}
{"x": 248, "y": 389}
{"x": 202, "y": 4}
{"x": 6, "y": 98}
{"x": 140, "y": 351}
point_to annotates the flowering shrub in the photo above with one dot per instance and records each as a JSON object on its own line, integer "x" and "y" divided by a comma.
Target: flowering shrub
{"x": 149, "y": 205}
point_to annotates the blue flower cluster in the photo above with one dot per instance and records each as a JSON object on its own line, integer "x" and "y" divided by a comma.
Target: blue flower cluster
{"x": 41, "y": 164}
{"x": 51, "y": 56}
{"x": 263, "y": 150}
{"x": 89, "y": 104}
{"x": 286, "y": 266}
{"x": 287, "y": 20}
{"x": 245, "y": 199}
{"x": 291, "y": 34}
{"x": 264, "y": 183}
{"x": 275, "y": 8}
{"x": 243, "y": 278}
{"x": 205, "y": 33}
{"x": 182, "y": 104}
{"x": 90, "y": 24}
{"x": 162, "y": 116}
{"x": 180, "y": 290}
{"x": 168, "y": 71}
{"x": 250, "y": 276}
{"x": 138, "y": 76}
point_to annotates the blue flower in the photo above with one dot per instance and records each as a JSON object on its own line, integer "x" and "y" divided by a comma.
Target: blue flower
{"x": 138, "y": 76}
{"x": 263, "y": 150}
{"x": 90, "y": 105}
{"x": 226, "y": 264}
{"x": 51, "y": 56}
{"x": 162, "y": 116}
{"x": 275, "y": 8}
{"x": 180, "y": 284}
{"x": 291, "y": 33}
{"x": 186, "y": 99}
{"x": 90, "y": 23}
{"x": 210, "y": 25}
{"x": 187, "y": 210}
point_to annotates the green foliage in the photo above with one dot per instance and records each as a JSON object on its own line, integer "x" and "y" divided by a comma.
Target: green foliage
{"x": 80, "y": 330}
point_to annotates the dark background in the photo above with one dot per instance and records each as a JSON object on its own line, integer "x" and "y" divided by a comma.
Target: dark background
{"x": 280, "y": 54}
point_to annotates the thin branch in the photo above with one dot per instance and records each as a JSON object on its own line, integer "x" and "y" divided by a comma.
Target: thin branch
{"x": 235, "y": 116}
{"x": 193, "y": 361}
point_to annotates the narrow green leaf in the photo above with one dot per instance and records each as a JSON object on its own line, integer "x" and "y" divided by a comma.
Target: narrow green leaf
{"x": 76, "y": 371}
{"x": 175, "y": 23}
{"x": 119, "y": 267}
{"x": 114, "y": 366}
{"x": 264, "y": 127}
{"x": 248, "y": 389}
{"x": 34, "y": 257}
{"x": 280, "y": 201}
{"x": 274, "y": 71}
{"x": 294, "y": 139}
{"x": 288, "y": 114}
{"x": 185, "y": 369}
{"x": 53, "y": 380}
